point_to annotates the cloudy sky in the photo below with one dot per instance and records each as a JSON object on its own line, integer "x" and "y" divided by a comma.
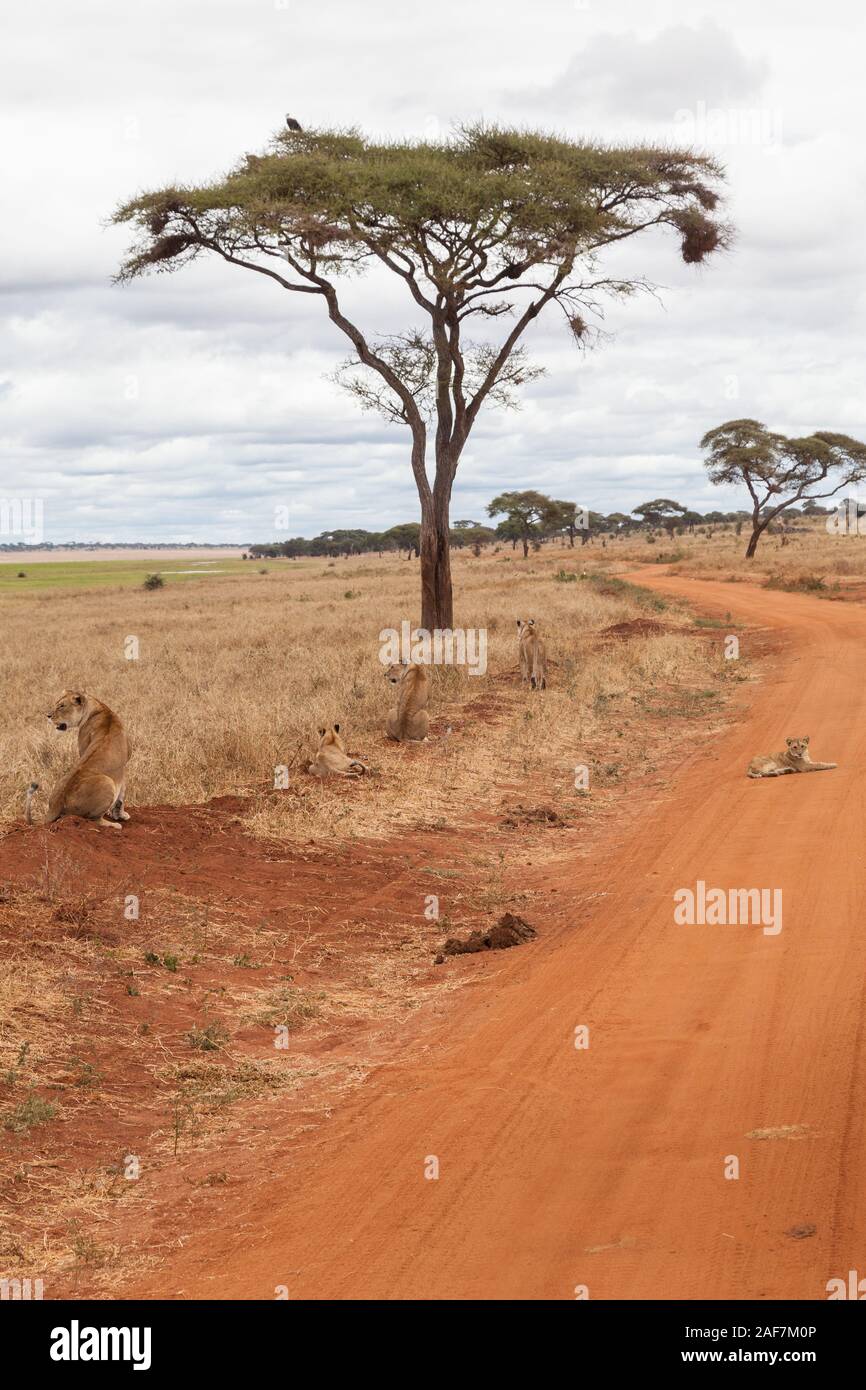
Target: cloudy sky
{"x": 191, "y": 406}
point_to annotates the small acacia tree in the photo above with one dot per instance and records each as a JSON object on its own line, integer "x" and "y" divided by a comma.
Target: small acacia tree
{"x": 527, "y": 514}
{"x": 568, "y": 518}
{"x": 491, "y": 225}
{"x": 661, "y": 512}
{"x": 780, "y": 472}
{"x": 406, "y": 536}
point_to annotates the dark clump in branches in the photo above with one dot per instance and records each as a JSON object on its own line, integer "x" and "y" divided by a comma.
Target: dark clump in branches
{"x": 166, "y": 248}
{"x": 701, "y": 236}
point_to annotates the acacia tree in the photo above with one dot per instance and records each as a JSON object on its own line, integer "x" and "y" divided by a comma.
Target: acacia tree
{"x": 491, "y": 225}
{"x": 568, "y": 518}
{"x": 406, "y": 536}
{"x": 780, "y": 472}
{"x": 661, "y": 512}
{"x": 527, "y": 514}
{"x": 510, "y": 530}
{"x": 471, "y": 533}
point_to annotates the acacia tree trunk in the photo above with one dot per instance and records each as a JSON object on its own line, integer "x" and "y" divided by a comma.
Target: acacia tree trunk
{"x": 758, "y": 529}
{"x": 437, "y": 604}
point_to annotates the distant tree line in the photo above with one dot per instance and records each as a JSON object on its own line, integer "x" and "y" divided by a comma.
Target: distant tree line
{"x": 526, "y": 519}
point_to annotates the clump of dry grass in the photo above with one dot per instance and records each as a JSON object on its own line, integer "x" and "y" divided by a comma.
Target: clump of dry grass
{"x": 286, "y": 1007}
{"x": 802, "y": 584}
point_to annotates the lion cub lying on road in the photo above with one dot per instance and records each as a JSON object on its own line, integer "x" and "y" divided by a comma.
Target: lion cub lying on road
{"x": 95, "y": 787}
{"x": 332, "y": 760}
{"x": 533, "y": 655}
{"x": 794, "y": 759}
{"x": 409, "y": 718}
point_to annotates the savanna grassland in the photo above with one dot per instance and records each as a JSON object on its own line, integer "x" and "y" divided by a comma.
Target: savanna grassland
{"x": 295, "y": 912}
{"x": 804, "y": 554}
{"x": 235, "y": 673}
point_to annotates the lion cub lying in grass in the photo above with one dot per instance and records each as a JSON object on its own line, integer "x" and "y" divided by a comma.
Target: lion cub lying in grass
{"x": 332, "y": 760}
{"x": 794, "y": 759}
{"x": 95, "y": 787}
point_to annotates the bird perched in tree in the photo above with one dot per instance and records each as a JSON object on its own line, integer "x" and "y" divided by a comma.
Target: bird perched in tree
{"x": 292, "y": 123}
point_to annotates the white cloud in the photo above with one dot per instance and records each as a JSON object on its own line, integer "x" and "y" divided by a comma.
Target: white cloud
{"x": 197, "y": 403}
{"x": 626, "y": 75}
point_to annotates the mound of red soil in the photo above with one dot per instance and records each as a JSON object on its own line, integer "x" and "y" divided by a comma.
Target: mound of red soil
{"x": 510, "y": 930}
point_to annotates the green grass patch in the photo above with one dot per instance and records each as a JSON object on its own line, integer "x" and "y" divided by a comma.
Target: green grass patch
{"x": 123, "y": 574}
{"x": 32, "y": 1111}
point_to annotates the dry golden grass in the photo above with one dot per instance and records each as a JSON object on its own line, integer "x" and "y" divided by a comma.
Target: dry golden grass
{"x": 234, "y": 677}
{"x": 810, "y": 552}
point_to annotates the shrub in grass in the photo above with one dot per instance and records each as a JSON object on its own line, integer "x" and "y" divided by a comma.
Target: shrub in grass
{"x": 32, "y": 1111}
{"x": 209, "y": 1039}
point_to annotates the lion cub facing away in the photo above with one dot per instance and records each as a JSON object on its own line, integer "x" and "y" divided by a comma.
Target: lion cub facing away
{"x": 95, "y": 787}
{"x": 795, "y": 758}
{"x": 409, "y": 718}
{"x": 332, "y": 760}
{"x": 533, "y": 655}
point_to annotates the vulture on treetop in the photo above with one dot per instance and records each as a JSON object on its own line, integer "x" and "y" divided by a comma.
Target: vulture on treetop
{"x": 292, "y": 123}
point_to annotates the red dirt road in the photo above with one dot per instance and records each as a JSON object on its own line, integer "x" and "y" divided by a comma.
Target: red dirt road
{"x": 605, "y": 1167}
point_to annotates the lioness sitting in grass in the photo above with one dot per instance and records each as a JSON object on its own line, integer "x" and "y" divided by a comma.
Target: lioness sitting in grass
{"x": 332, "y": 760}
{"x": 409, "y": 718}
{"x": 95, "y": 787}
{"x": 533, "y": 654}
{"x": 795, "y": 758}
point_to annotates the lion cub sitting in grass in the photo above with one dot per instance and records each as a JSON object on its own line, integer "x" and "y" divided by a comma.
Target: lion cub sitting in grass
{"x": 332, "y": 760}
{"x": 795, "y": 758}
{"x": 96, "y": 786}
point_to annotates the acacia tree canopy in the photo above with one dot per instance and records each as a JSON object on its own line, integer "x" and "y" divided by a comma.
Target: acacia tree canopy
{"x": 779, "y": 472}
{"x": 527, "y": 514}
{"x": 406, "y": 536}
{"x": 492, "y": 224}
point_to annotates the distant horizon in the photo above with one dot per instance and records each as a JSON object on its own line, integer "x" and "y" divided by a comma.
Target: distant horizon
{"x": 24, "y": 547}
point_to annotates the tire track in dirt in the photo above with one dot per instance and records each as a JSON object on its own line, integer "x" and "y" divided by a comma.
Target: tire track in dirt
{"x": 604, "y": 1167}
